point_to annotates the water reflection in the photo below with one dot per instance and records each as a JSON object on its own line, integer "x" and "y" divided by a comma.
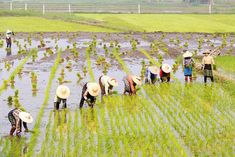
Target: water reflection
{"x": 15, "y": 146}
{"x": 88, "y": 120}
{"x": 8, "y": 50}
{"x": 60, "y": 117}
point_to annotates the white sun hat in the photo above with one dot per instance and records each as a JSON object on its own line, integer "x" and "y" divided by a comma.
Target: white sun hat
{"x": 187, "y": 54}
{"x": 8, "y": 32}
{"x": 93, "y": 89}
{"x": 154, "y": 70}
{"x": 62, "y": 92}
{"x": 207, "y": 51}
{"x": 26, "y": 117}
{"x": 113, "y": 82}
{"x": 137, "y": 80}
{"x": 166, "y": 68}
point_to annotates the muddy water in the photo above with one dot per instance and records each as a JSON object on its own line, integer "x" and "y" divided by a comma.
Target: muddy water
{"x": 43, "y": 65}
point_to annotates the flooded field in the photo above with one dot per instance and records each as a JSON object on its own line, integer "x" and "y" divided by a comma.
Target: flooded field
{"x": 158, "y": 121}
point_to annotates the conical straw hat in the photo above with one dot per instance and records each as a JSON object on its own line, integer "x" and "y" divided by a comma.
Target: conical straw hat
{"x": 187, "y": 54}
{"x": 8, "y": 31}
{"x": 154, "y": 70}
{"x": 93, "y": 89}
{"x": 113, "y": 82}
{"x": 26, "y": 117}
{"x": 166, "y": 68}
{"x": 62, "y": 92}
{"x": 137, "y": 80}
{"x": 207, "y": 51}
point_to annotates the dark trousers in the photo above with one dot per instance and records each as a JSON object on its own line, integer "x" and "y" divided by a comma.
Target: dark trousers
{"x": 101, "y": 87}
{"x": 8, "y": 45}
{"x": 57, "y": 103}
{"x": 211, "y": 77}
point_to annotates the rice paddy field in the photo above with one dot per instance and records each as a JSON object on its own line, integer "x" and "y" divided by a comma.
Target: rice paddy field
{"x": 165, "y": 119}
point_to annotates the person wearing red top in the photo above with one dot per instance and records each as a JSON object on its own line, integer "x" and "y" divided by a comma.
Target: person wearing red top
{"x": 165, "y": 73}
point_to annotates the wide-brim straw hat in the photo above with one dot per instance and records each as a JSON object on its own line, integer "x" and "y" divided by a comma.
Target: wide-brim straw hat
{"x": 8, "y": 32}
{"x": 93, "y": 89}
{"x": 113, "y": 82}
{"x": 166, "y": 68}
{"x": 62, "y": 92}
{"x": 154, "y": 70}
{"x": 207, "y": 52}
{"x": 187, "y": 54}
{"x": 137, "y": 80}
{"x": 26, "y": 117}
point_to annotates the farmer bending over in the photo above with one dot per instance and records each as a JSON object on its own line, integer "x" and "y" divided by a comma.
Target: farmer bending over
{"x": 130, "y": 82}
{"x": 89, "y": 93}
{"x": 151, "y": 74}
{"x": 16, "y": 116}
{"x": 165, "y": 73}
{"x": 62, "y": 93}
{"x": 106, "y": 84}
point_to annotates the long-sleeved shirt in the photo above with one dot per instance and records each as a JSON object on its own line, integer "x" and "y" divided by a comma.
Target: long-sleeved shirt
{"x": 104, "y": 81}
{"x": 208, "y": 60}
{"x": 16, "y": 113}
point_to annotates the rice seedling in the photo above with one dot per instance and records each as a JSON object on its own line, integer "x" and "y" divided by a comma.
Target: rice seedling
{"x": 17, "y": 70}
{"x": 33, "y": 139}
{"x": 88, "y": 51}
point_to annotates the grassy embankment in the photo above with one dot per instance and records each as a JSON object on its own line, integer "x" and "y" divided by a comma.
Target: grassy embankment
{"x": 34, "y": 22}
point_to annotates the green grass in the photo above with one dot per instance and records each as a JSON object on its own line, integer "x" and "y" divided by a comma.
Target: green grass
{"x": 167, "y": 22}
{"x": 20, "y": 21}
{"x": 39, "y": 24}
{"x": 227, "y": 63}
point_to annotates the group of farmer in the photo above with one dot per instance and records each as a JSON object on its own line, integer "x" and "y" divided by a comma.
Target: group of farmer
{"x": 106, "y": 84}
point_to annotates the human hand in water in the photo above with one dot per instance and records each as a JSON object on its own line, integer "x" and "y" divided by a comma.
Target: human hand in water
{"x": 18, "y": 133}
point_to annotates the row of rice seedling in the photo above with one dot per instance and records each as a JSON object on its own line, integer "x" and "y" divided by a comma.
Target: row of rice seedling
{"x": 193, "y": 120}
{"x": 88, "y": 58}
{"x": 34, "y": 137}
{"x": 173, "y": 136}
{"x": 16, "y": 71}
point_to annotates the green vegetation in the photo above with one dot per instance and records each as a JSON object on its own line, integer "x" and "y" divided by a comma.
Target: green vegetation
{"x": 34, "y": 22}
{"x": 39, "y": 24}
{"x": 167, "y": 22}
{"x": 226, "y": 62}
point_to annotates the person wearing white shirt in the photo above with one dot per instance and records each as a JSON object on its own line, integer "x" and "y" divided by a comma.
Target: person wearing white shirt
{"x": 106, "y": 84}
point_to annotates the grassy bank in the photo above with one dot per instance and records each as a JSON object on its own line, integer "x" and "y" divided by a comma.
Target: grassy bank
{"x": 32, "y": 21}
{"x": 226, "y": 62}
{"x": 40, "y": 24}
{"x": 168, "y": 22}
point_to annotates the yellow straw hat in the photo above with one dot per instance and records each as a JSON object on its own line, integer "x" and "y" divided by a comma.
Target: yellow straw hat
{"x": 166, "y": 68}
{"x": 113, "y": 82}
{"x": 26, "y": 117}
{"x": 187, "y": 54}
{"x": 62, "y": 92}
{"x": 207, "y": 51}
{"x": 154, "y": 70}
{"x": 137, "y": 80}
{"x": 93, "y": 89}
